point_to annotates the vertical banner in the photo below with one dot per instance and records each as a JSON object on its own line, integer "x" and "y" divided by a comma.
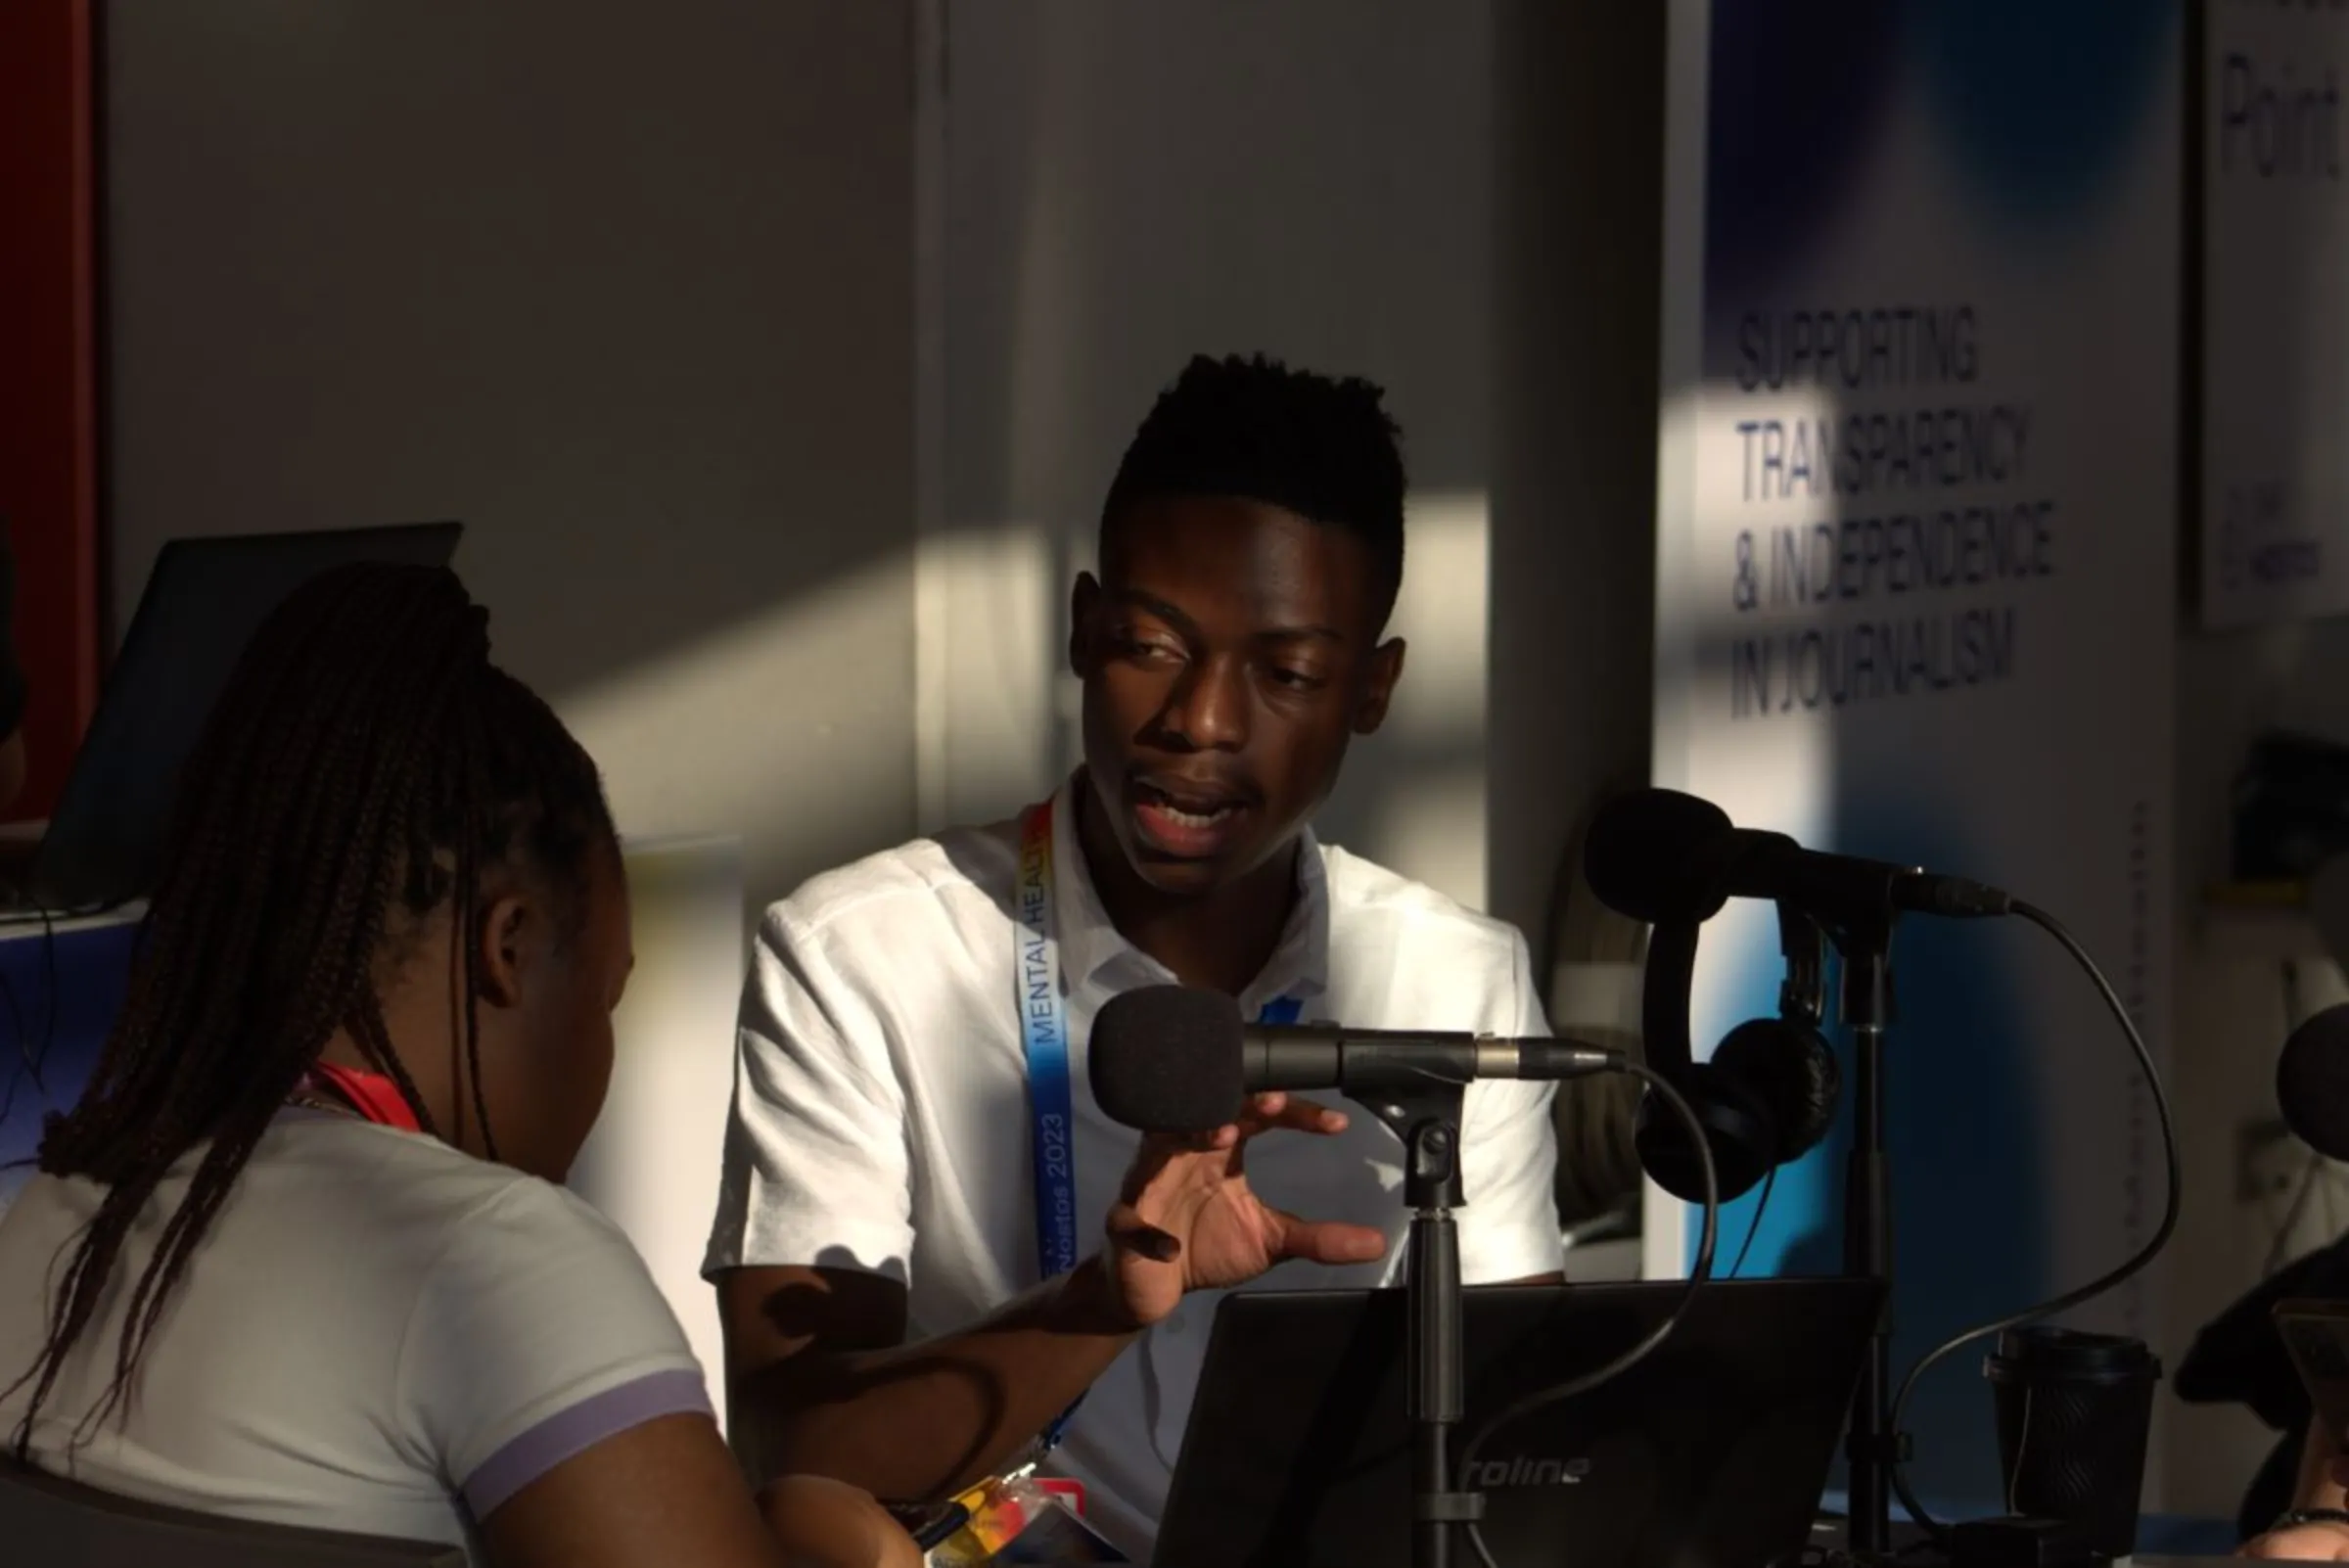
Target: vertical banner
{"x": 2275, "y": 319}
{"x": 1915, "y": 601}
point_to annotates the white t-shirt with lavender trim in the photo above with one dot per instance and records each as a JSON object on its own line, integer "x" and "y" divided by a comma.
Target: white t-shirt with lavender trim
{"x": 378, "y": 1333}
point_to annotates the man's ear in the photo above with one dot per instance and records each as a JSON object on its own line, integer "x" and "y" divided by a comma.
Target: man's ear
{"x": 509, "y": 926}
{"x": 1378, "y": 687}
{"x": 1084, "y": 604}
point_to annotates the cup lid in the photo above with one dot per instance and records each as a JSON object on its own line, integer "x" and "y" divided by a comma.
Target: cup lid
{"x": 2046, "y": 1350}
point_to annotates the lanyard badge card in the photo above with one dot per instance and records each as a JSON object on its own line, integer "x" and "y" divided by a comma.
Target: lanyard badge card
{"x": 1023, "y": 1520}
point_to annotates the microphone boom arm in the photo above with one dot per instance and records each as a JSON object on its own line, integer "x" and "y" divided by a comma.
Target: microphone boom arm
{"x": 1365, "y": 1064}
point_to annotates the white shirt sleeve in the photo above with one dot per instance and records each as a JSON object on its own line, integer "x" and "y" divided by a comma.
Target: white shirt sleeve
{"x": 537, "y": 1334}
{"x": 1509, "y": 1226}
{"x": 816, "y": 1167}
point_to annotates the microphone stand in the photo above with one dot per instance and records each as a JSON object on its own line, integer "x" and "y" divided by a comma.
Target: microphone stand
{"x": 1871, "y": 1446}
{"x": 1428, "y": 1121}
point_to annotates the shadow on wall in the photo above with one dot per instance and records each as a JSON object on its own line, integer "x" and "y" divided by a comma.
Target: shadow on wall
{"x": 631, "y": 302}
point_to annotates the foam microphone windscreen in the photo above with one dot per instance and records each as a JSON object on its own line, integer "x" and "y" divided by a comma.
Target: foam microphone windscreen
{"x": 2312, "y": 1083}
{"x": 1166, "y": 1059}
{"x": 1655, "y": 855}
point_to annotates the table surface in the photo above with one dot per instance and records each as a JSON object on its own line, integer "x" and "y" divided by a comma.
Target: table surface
{"x": 60, "y": 989}
{"x": 17, "y": 926}
{"x": 2162, "y": 1538}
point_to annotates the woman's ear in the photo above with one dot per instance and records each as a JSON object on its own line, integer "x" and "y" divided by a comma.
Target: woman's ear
{"x": 509, "y": 928}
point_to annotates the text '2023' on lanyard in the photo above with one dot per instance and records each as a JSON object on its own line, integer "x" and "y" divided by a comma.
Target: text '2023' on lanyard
{"x": 1044, "y": 1033}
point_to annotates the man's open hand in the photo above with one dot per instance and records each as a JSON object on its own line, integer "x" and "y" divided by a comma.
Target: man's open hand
{"x": 1187, "y": 1220}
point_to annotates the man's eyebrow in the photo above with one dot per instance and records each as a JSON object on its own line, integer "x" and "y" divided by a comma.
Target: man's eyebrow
{"x": 1159, "y": 608}
{"x": 1170, "y": 614}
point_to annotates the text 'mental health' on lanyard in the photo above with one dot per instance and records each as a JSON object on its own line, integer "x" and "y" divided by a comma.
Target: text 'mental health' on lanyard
{"x": 1045, "y": 1033}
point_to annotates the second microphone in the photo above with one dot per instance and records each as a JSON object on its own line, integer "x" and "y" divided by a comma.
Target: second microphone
{"x": 1175, "y": 1059}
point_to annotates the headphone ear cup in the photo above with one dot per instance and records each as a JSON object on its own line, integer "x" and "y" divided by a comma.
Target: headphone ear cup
{"x": 1792, "y": 1069}
{"x": 1739, "y": 1129}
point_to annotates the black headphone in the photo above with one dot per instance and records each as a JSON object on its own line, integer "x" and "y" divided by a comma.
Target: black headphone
{"x": 1768, "y": 1094}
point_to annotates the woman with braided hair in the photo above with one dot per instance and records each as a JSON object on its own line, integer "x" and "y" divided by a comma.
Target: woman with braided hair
{"x": 300, "y": 1254}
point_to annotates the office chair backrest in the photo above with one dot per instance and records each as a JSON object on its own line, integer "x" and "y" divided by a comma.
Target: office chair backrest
{"x": 49, "y": 1522}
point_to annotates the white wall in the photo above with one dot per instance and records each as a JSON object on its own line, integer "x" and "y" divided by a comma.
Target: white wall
{"x": 1126, "y": 185}
{"x": 627, "y": 290}
{"x": 642, "y": 306}
{"x": 649, "y": 1163}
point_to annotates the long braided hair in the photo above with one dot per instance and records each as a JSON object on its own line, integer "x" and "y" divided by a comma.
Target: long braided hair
{"x": 366, "y": 766}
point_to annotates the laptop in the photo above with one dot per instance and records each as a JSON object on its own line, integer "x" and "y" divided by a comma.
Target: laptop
{"x": 1710, "y": 1453}
{"x": 202, "y": 603}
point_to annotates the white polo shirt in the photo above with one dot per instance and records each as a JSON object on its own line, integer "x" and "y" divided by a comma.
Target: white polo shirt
{"x": 882, "y": 1122}
{"x": 377, "y": 1333}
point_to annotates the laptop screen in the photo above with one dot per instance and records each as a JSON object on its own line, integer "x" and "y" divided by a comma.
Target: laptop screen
{"x": 202, "y": 603}
{"x": 1710, "y": 1452}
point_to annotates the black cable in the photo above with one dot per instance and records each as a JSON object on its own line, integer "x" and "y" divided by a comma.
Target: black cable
{"x": 1753, "y": 1226}
{"x": 1556, "y": 1393}
{"x": 2093, "y": 1289}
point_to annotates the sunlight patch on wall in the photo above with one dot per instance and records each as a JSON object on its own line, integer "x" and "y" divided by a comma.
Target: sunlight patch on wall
{"x": 788, "y": 729}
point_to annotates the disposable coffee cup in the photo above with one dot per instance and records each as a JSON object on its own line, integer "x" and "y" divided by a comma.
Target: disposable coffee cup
{"x": 2074, "y": 1413}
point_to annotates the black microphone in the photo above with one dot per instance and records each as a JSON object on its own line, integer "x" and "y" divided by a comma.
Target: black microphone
{"x": 1659, "y": 856}
{"x": 1177, "y": 1059}
{"x": 2312, "y": 1083}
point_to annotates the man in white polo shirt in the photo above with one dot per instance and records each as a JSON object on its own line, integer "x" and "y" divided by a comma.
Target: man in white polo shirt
{"x": 910, "y": 1280}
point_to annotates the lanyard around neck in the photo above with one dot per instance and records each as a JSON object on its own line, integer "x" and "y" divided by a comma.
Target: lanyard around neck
{"x": 1041, "y": 996}
{"x": 372, "y": 1096}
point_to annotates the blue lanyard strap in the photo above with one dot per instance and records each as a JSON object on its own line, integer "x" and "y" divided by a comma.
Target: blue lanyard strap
{"x": 1045, "y": 1033}
{"x": 1045, "y": 1036}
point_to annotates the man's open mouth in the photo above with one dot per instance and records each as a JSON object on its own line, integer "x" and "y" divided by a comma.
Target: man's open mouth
{"x": 1185, "y": 819}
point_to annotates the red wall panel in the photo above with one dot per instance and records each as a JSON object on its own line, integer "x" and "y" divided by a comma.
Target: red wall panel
{"x": 48, "y": 371}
